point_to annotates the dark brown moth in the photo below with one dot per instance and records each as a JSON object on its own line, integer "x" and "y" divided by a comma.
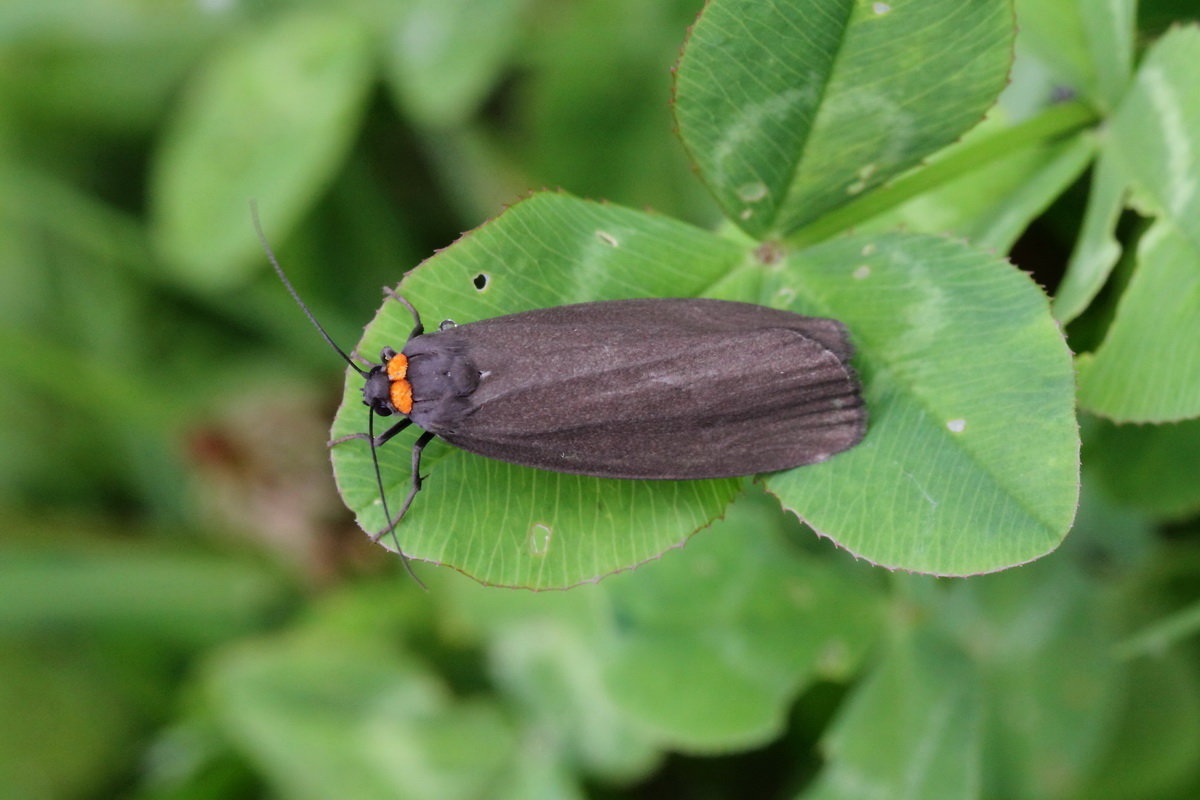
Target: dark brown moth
{"x": 658, "y": 388}
{"x": 645, "y": 389}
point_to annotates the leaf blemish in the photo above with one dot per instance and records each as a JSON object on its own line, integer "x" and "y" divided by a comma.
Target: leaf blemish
{"x": 861, "y": 273}
{"x": 540, "y": 535}
{"x": 752, "y": 192}
{"x": 880, "y": 8}
{"x": 770, "y": 253}
{"x": 921, "y": 489}
{"x": 729, "y": 149}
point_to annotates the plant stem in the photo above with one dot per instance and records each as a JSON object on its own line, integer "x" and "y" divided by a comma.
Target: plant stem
{"x": 1160, "y": 636}
{"x": 1054, "y": 123}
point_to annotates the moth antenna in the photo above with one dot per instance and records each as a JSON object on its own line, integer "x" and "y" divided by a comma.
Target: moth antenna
{"x": 262, "y": 238}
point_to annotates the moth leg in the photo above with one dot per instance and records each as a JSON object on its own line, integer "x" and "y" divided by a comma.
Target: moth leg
{"x": 418, "y": 328}
{"x": 347, "y": 438}
{"x": 422, "y": 440}
{"x": 376, "y": 441}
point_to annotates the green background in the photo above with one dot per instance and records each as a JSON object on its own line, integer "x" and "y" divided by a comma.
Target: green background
{"x": 189, "y": 610}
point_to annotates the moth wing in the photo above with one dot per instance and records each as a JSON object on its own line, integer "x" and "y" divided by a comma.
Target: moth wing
{"x": 639, "y": 318}
{"x": 648, "y": 389}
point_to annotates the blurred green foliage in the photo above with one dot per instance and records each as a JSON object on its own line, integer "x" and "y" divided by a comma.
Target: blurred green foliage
{"x": 186, "y": 609}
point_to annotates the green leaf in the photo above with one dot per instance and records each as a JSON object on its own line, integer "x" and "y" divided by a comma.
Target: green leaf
{"x": 1097, "y": 249}
{"x": 1044, "y": 646}
{"x": 971, "y": 459}
{"x": 1088, "y": 45}
{"x": 546, "y": 654}
{"x": 970, "y": 464}
{"x": 183, "y": 598}
{"x": 1148, "y": 367}
{"x": 444, "y": 55}
{"x": 614, "y": 673}
{"x": 1150, "y": 467}
{"x": 325, "y": 717}
{"x": 107, "y": 65}
{"x": 516, "y": 526}
{"x": 538, "y": 775}
{"x": 1157, "y": 737}
{"x": 594, "y": 115}
{"x": 1154, "y": 139}
{"x": 748, "y": 620}
{"x": 269, "y": 117}
{"x": 911, "y": 731}
{"x": 791, "y": 109}
{"x": 549, "y": 664}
